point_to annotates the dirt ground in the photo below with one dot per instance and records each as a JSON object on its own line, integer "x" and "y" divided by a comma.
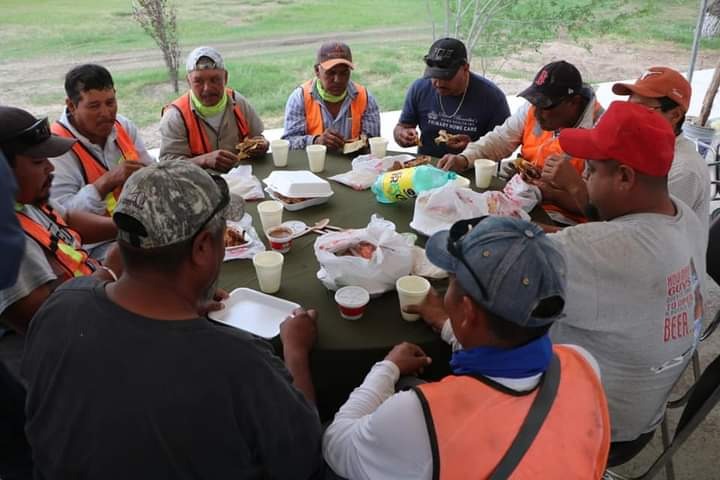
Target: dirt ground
{"x": 23, "y": 82}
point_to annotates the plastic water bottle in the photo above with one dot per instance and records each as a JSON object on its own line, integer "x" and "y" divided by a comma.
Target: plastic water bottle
{"x": 408, "y": 182}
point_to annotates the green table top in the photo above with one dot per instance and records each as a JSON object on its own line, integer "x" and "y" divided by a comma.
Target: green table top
{"x": 381, "y": 326}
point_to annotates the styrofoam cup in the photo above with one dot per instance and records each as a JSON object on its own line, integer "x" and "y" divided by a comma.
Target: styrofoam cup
{"x": 378, "y": 147}
{"x": 484, "y": 171}
{"x": 280, "y": 152}
{"x": 316, "y": 157}
{"x": 412, "y": 290}
{"x": 270, "y": 212}
{"x": 268, "y": 268}
{"x": 352, "y": 302}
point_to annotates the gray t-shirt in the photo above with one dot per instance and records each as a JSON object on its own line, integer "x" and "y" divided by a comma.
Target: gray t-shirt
{"x": 35, "y": 267}
{"x": 634, "y": 301}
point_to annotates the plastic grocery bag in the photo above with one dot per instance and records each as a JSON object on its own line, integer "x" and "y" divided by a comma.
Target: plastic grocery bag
{"x": 366, "y": 168}
{"x": 373, "y": 257}
{"x": 525, "y": 194}
{"x": 243, "y": 183}
{"x": 438, "y": 209}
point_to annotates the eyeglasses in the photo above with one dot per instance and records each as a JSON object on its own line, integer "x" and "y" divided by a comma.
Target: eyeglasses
{"x": 224, "y": 201}
{"x": 35, "y": 134}
{"x": 554, "y": 104}
{"x": 454, "y": 245}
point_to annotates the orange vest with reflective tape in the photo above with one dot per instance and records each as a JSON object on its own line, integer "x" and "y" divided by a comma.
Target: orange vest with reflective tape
{"x": 538, "y": 144}
{"x": 313, "y": 115}
{"x": 74, "y": 261}
{"x": 472, "y": 423}
{"x": 197, "y": 137}
{"x": 91, "y": 167}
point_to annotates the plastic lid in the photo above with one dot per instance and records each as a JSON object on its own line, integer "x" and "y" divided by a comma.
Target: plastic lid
{"x": 298, "y": 183}
{"x": 352, "y": 297}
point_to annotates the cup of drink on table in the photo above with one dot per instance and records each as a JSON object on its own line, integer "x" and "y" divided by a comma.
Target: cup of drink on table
{"x": 378, "y": 146}
{"x": 352, "y": 302}
{"x": 280, "y": 152}
{"x": 268, "y": 268}
{"x": 270, "y": 212}
{"x": 412, "y": 290}
{"x": 484, "y": 171}
{"x": 316, "y": 157}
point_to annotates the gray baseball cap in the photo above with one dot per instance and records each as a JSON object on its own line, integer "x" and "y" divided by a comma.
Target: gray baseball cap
{"x": 508, "y": 266}
{"x": 192, "y": 60}
{"x": 168, "y": 202}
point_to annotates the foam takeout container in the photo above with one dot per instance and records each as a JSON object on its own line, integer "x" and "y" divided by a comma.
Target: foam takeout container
{"x": 298, "y": 184}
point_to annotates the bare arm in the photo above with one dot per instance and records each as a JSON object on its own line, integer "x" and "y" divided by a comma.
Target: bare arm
{"x": 92, "y": 228}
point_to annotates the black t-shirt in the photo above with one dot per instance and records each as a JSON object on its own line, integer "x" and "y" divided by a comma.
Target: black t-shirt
{"x": 483, "y": 107}
{"x": 114, "y": 395}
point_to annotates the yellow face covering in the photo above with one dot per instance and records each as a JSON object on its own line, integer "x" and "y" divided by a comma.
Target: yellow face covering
{"x": 209, "y": 111}
{"x": 327, "y": 96}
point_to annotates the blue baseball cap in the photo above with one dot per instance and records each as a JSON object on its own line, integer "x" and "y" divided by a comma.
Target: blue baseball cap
{"x": 507, "y": 265}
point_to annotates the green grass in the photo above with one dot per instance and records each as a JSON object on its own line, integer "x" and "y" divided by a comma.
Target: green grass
{"x": 30, "y": 28}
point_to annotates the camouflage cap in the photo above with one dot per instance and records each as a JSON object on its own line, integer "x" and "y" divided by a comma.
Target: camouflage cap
{"x": 167, "y": 203}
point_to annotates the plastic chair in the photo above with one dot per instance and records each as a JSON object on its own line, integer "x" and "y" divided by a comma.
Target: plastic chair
{"x": 704, "y": 395}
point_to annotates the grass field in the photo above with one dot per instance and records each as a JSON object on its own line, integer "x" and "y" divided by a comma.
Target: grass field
{"x": 62, "y": 29}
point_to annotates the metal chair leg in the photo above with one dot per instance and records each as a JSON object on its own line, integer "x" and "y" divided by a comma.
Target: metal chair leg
{"x": 696, "y": 364}
{"x": 669, "y": 470}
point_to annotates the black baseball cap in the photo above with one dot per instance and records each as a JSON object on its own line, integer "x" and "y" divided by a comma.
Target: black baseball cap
{"x": 445, "y": 57}
{"x": 21, "y": 133}
{"x": 555, "y": 81}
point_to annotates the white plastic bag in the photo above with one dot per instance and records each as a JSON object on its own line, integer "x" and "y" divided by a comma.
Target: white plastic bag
{"x": 439, "y": 208}
{"x": 366, "y": 168}
{"x": 525, "y": 194}
{"x": 248, "y": 250}
{"x": 392, "y": 258}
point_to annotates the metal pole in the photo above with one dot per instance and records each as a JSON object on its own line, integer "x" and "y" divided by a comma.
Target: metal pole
{"x": 696, "y": 40}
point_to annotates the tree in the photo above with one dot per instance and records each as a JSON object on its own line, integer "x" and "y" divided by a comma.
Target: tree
{"x": 711, "y": 23}
{"x": 158, "y": 19}
{"x": 491, "y": 28}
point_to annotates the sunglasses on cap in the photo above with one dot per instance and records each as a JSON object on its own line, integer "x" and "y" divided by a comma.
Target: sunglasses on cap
{"x": 222, "y": 203}
{"x": 554, "y": 104}
{"x": 35, "y": 134}
{"x": 454, "y": 245}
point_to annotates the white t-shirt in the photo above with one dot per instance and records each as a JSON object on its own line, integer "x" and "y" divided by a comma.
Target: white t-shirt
{"x": 380, "y": 434}
{"x": 633, "y": 287}
{"x": 689, "y": 179}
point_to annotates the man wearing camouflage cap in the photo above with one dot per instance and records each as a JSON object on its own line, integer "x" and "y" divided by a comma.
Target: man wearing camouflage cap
{"x": 206, "y": 123}
{"x": 132, "y": 367}
{"x": 507, "y": 287}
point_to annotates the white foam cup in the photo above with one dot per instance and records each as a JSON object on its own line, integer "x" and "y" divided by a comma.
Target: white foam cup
{"x": 378, "y": 147}
{"x": 270, "y": 212}
{"x": 412, "y": 290}
{"x": 316, "y": 157}
{"x": 268, "y": 268}
{"x": 484, "y": 171}
{"x": 280, "y": 152}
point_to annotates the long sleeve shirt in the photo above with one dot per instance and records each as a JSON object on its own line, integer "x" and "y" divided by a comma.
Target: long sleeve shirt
{"x": 296, "y": 133}
{"x": 380, "y": 434}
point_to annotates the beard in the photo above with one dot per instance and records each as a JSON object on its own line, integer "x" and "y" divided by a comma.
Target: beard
{"x": 592, "y": 212}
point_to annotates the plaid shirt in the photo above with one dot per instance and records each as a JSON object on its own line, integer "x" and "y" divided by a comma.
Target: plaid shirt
{"x": 295, "y": 131}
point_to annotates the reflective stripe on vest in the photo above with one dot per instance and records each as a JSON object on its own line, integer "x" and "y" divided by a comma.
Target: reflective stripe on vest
{"x": 198, "y": 140}
{"x": 538, "y": 144}
{"x": 74, "y": 261}
{"x": 314, "y": 124}
{"x": 472, "y": 424}
{"x": 91, "y": 167}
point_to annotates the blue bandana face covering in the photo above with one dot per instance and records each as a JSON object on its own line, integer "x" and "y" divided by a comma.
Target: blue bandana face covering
{"x": 522, "y": 362}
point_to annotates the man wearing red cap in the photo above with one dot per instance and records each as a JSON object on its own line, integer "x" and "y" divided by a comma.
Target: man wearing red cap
{"x": 667, "y": 92}
{"x": 330, "y": 109}
{"x": 634, "y": 276}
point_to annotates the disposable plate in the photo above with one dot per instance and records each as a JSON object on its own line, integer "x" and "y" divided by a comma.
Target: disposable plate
{"x": 254, "y": 312}
{"x": 298, "y": 184}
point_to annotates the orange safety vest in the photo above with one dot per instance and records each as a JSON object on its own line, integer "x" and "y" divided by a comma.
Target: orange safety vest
{"x": 197, "y": 136}
{"x": 91, "y": 167}
{"x": 74, "y": 261}
{"x": 313, "y": 116}
{"x": 472, "y": 423}
{"x": 538, "y": 144}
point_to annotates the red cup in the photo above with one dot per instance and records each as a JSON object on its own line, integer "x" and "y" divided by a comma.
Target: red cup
{"x": 280, "y": 238}
{"x": 352, "y": 302}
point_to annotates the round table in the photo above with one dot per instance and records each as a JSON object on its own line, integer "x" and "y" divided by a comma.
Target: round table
{"x": 345, "y": 350}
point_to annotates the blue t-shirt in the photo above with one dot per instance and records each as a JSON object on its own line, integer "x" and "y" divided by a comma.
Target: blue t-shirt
{"x": 12, "y": 237}
{"x": 484, "y": 107}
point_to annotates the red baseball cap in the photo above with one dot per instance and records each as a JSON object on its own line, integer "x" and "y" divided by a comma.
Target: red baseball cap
{"x": 628, "y": 133}
{"x": 657, "y": 82}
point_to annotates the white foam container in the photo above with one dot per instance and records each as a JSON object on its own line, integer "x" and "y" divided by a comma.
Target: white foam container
{"x": 298, "y": 184}
{"x": 254, "y": 312}
{"x": 291, "y": 207}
